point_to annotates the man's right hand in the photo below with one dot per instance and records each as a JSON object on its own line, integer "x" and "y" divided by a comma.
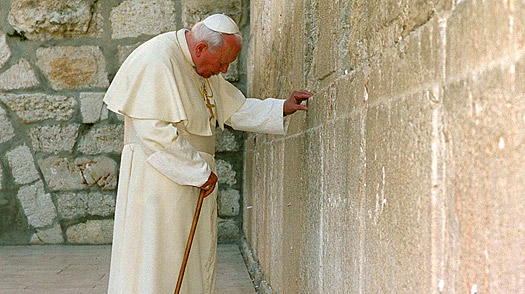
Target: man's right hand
{"x": 209, "y": 186}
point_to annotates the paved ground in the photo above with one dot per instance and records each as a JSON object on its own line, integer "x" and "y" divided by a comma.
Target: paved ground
{"x": 84, "y": 270}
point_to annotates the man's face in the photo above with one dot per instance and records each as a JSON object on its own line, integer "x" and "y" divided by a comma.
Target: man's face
{"x": 212, "y": 63}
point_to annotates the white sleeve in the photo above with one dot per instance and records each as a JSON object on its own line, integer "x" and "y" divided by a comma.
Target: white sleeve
{"x": 261, "y": 116}
{"x": 170, "y": 153}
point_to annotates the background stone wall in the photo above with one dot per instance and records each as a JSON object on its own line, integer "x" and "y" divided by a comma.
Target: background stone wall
{"x": 59, "y": 146}
{"x": 407, "y": 173}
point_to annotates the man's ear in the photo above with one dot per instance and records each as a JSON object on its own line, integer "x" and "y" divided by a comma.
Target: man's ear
{"x": 201, "y": 46}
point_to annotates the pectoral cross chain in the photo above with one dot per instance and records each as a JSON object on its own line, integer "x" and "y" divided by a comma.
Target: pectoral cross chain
{"x": 209, "y": 105}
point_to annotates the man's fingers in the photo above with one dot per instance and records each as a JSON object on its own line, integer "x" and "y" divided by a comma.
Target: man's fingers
{"x": 302, "y": 95}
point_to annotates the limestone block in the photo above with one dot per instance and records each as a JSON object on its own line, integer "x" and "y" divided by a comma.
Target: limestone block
{"x": 68, "y": 174}
{"x": 397, "y": 216}
{"x": 73, "y": 68}
{"x": 232, "y": 75}
{"x": 100, "y": 204}
{"x": 344, "y": 158}
{"x": 19, "y": 76}
{"x": 471, "y": 32}
{"x": 519, "y": 25}
{"x": 225, "y": 172}
{"x": 56, "y": 19}
{"x": 104, "y": 139}
{"x": 37, "y": 205}
{"x": 5, "y": 52}
{"x": 32, "y": 108}
{"x": 92, "y": 107}
{"x": 302, "y": 210}
{"x": 54, "y": 138}
{"x": 226, "y": 140}
{"x": 91, "y": 232}
{"x": 386, "y": 24}
{"x": 228, "y": 202}
{"x": 76, "y": 205}
{"x": 22, "y": 165}
{"x": 194, "y": 11}
{"x": 324, "y": 52}
{"x": 6, "y": 128}
{"x": 418, "y": 60}
{"x": 485, "y": 188}
{"x": 133, "y": 18}
{"x": 48, "y": 236}
{"x": 125, "y": 51}
{"x": 228, "y": 230}
{"x": 72, "y": 205}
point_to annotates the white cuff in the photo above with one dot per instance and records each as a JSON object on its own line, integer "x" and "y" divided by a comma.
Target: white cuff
{"x": 261, "y": 116}
{"x": 181, "y": 163}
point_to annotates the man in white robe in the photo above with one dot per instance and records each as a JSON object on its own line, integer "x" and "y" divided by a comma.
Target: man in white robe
{"x": 172, "y": 96}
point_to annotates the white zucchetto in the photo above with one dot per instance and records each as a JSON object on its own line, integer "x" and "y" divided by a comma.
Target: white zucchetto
{"x": 221, "y": 23}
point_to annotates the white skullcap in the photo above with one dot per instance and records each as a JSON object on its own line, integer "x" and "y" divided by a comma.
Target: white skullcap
{"x": 221, "y": 23}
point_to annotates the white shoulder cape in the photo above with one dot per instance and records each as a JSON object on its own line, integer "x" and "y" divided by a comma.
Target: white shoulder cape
{"x": 156, "y": 82}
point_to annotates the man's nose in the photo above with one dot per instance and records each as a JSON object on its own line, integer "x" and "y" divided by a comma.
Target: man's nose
{"x": 224, "y": 68}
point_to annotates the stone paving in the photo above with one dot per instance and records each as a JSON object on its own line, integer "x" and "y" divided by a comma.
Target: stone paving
{"x": 84, "y": 270}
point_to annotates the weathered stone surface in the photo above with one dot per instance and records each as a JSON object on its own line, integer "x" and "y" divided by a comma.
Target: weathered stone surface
{"x": 6, "y": 128}
{"x": 225, "y": 172}
{"x": 228, "y": 202}
{"x": 92, "y": 107}
{"x": 37, "y": 205}
{"x": 19, "y": 76}
{"x": 22, "y": 166}
{"x": 398, "y": 139}
{"x": 105, "y": 139}
{"x": 32, "y": 108}
{"x": 72, "y": 205}
{"x": 5, "y": 52}
{"x": 133, "y": 18}
{"x": 125, "y": 51}
{"x": 194, "y": 11}
{"x": 226, "y": 140}
{"x": 471, "y": 32}
{"x": 100, "y": 204}
{"x": 72, "y": 68}
{"x": 386, "y": 26}
{"x": 91, "y": 232}
{"x": 49, "y": 236}
{"x": 228, "y": 230}
{"x": 56, "y": 19}
{"x": 75, "y": 205}
{"x": 101, "y": 171}
{"x": 484, "y": 197}
{"x": 54, "y": 138}
{"x": 68, "y": 174}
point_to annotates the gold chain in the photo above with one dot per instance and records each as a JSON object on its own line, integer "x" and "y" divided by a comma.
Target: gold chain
{"x": 202, "y": 90}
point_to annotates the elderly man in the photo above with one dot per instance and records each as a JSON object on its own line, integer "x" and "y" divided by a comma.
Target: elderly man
{"x": 172, "y": 96}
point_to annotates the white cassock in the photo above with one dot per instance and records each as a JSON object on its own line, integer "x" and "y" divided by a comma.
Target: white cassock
{"x": 168, "y": 152}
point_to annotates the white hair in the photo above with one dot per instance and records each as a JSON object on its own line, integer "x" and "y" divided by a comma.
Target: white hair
{"x": 214, "y": 39}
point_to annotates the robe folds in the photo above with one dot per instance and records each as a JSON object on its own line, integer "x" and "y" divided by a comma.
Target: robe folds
{"x": 169, "y": 146}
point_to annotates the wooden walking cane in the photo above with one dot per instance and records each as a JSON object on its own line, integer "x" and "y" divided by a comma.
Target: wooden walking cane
{"x": 190, "y": 240}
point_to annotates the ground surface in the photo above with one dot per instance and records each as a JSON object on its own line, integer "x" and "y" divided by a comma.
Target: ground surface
{"x": 84, "y": 270}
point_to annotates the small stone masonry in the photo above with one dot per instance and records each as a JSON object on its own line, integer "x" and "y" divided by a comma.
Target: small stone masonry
{"x": 59, "y": 146}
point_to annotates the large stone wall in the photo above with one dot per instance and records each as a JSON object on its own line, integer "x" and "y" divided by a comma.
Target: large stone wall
{"x": 59, "y": 146}
{"x": 406, "y": 175}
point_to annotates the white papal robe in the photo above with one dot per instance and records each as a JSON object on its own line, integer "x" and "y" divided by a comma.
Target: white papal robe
{"x": 168, "y": 152}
